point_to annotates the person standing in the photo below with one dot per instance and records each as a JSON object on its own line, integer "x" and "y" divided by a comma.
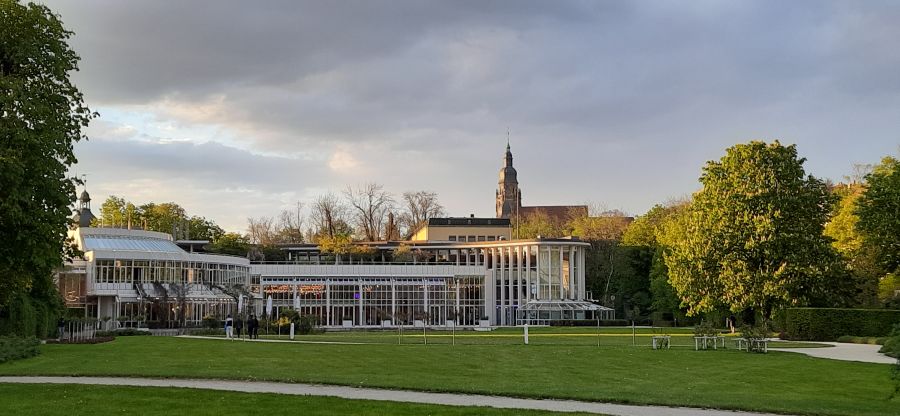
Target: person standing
{"x": 238, "y": 326}
{"x": 253, "y": 326}
{"x": 229, "y": 327}
{"x": 60, "y": 328}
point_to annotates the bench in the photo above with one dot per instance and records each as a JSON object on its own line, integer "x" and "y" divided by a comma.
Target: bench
{"x": 704, "y": 341}
{"x": 661, "y": 341}
{"x": 752, "y": 344}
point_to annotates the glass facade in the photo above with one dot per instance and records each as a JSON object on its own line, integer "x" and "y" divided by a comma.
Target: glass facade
{"x": 375, "y": 302}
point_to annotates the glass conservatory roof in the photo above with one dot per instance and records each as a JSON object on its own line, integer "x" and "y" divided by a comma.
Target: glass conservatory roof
{"x": 104, "y": 242}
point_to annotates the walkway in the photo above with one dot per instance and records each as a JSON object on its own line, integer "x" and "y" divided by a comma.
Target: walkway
{"x": 389, "y": 395}
{"x": 844, "y": 352}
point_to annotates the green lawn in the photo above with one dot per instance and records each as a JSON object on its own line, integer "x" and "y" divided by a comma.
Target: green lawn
{"x": 70, "y": 399}
{"x": 777, "y": 382}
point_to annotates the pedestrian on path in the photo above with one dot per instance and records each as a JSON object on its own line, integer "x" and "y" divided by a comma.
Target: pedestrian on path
{"x": 60, "y": 328}
{"x": 239, "y": 326}
{"x": 253, "y": 327}
{"x": 229, "y": 327}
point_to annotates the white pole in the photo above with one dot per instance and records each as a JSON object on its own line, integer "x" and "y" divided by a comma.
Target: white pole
{"x": 292, "y": 331}
{"x": 526, "y": 334}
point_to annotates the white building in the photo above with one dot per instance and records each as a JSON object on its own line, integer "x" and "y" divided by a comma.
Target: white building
{"x": 133, "y": 275}
{"x": 437, "y": 284}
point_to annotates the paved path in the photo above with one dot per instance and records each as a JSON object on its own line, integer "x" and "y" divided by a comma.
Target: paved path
{"x": 389, "y": 395}
{"x": 844, "y": 352}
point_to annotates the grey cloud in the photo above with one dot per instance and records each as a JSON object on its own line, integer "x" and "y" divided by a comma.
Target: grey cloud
{"x": 614, "y": 101}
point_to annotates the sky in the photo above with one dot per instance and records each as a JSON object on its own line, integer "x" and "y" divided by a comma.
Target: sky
{"x": 239, "y": 109}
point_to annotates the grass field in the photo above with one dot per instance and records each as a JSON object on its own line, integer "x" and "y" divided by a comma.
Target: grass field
{"x": 73, "y": 400}
{"x": 777, "y": 382}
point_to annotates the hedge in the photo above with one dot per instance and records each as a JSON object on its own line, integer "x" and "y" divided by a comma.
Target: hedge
{"x": 591, "y": 322}
{"x": 829, "y": 324}
{"x": 25, "y": 316}
{"x": 15, "y": 348}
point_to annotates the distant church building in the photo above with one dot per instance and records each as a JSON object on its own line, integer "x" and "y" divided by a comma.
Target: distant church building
{"x": 509, "y": 198}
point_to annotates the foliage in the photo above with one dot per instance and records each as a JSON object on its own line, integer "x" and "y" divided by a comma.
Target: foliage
{"x": 599, "y": 228}
{"x": 210, "y": 321}
{"x": 16, "y": 348}
{"x": 230, "y": 243}
{"x": 850, "y": 339}
{"x": 206, "y": 331}
{"x": 878, "y": 210}
{"x": 859, "y": 255}
{"x": 705, "y": 329}
{"x": 828, "y": 324}
{"x": 168, "y": 217}
{"x": 752, "y": 237}
{"x": 31, "y": 314}
{"x": 891, "y": 345}
{"x": 41, "y": 115}
{"x": 339, "y": 245}
{"x": 755, "y": 335}
{"x": 537, "y": 223}
{"x": 123, "y": 332}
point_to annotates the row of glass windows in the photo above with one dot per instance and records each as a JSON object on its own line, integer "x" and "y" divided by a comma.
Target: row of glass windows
{"x": 169, "y": 271}
{"x": 367, "y": 301}
{"x": 474, "y": 238}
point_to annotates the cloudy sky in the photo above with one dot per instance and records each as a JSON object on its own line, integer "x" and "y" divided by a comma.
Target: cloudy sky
{"x": 237, "y": 109}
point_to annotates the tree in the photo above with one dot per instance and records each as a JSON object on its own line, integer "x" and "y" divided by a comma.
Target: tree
{"x": 327, "y": 216}
{"x": 848, "y": 241}
{"x": 261, "y": 231}
{"x": 41, "y": 116}
{"x": 752, "y": 238}
{"x": 879, "y": 213}
{"x": 647, "y": 231}
{"x": 230, "y": 243}
{"x": 291, "y": 225}
{"x": 418, "y": 207}
{"x": 370, "y": 205}
{"x": 538, "y": 223}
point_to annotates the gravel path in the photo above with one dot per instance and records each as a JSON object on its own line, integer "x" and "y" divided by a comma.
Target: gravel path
{"x": 389, "y": 395}
{"x": 844, "y": 352}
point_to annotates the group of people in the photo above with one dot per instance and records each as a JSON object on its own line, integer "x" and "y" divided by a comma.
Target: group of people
{"x": 233, "y": 328}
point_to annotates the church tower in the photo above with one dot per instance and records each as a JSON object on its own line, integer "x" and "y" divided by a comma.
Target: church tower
{"x": 509, "y": 197}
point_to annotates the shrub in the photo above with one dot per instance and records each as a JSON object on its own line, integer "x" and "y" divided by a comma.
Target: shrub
{"x": 591, "y": 322}
{"x": 15, "y": 348}
{"x": 827, "y": 324}
{"x": 125, "y": 332}
{"x": 705, "y": 329}
{"x": 212, "y": 322}
{"x": 891, "y": 346}
{"x": 206, "y": 332}
{"x": 95, "y": 340}
{"x": 862, "y": 340}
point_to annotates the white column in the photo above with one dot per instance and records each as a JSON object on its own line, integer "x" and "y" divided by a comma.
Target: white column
{"x": 520, "y": 275}
{"x": 456, "y": 311}
{"x": 537, "y": 275}
{"x": 582, "y": 273}
{"x": 562, "y": 290}
{"x": 502, "y": 276}
{"x": 425, "y": 297}
{"x": 359, "y": 285}
{"x": 573, "y": 282}
{"x": 527, "y": 273}
{"x": 327, "y": 301}
{"x": 393, "y": 301}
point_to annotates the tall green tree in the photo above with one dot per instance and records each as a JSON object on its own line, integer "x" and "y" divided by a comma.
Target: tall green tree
{"x": 752, "y": 239}
{"x": 863, "y": 270}
{"x": 879, "y": 213}
{"x": 41, "y": 115}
